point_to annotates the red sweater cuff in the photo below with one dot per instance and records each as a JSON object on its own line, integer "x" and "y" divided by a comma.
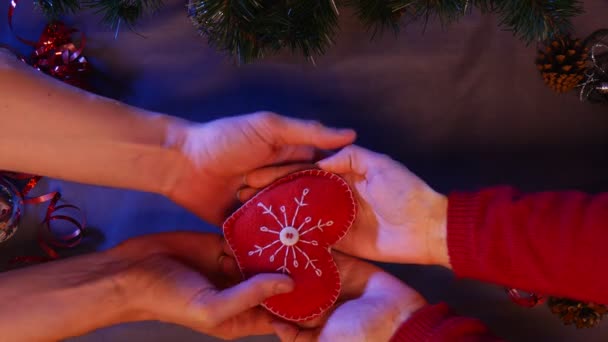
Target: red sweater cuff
{"x": 422, "y": 324}
{"x": 464, "y": 213}
{"x": 435, "y": 323}
{"x": 475, "y": 248}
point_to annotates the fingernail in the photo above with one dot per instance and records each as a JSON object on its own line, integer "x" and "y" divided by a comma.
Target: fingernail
{"x": 283, "y": 287}
{"x": 220, "y": 260}
{"x": 345, "y": 131}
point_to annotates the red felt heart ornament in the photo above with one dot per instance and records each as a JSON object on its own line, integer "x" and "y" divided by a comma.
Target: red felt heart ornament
{"x": 289, "y": 227}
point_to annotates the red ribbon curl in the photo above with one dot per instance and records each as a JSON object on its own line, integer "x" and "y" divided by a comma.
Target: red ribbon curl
{"x": 49, "y": 238}
{"x": 55, "y": 53}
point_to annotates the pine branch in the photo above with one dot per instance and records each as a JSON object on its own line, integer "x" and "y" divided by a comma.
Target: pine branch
{"x": 531, "y": 20}
{"x": 55, "y": 8}
{"x": 116, "y": 12}
{"x": 249, "y": 29}
{"x": 380, "y": 15}
{"x": 446, "y": 11}
{"x": 377, "y": 16}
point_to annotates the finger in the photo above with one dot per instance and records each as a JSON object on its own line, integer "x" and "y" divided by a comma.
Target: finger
{"x": 289, "y": 131}
{"x": 285, "y": 332}
{"x": 245, "y": 194}
{"x": 246, "y": 295}
{"x": 226, "y": 248}
{"x": 253, "y": 322}
{"x": 354, "y": 274}
{"x": 291, "y": 333}
{"x": 296, "y": 153}
{"x": 304, "y": 153}
{"x": 322, "y": 154}
{"x": 186, "y": 246}
{"x": 263, "y": 177}
{"x": 351, "y": 159}
{"x": 229, "y": 267}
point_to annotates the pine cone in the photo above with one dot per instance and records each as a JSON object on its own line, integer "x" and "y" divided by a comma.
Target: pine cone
{"x": 562, "y": 63}
{"x": 583, "y": 315}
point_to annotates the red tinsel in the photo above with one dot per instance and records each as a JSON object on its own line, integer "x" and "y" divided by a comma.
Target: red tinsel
{"x": 529, "y": 300}
{"x": 49, "y": 237}
{"x": 55, "y": 53}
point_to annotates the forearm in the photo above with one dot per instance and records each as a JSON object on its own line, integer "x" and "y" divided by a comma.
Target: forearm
{"x": 551, "y": 243}
{"x": 57, "y": 300}
{"x": 53, "y": 129}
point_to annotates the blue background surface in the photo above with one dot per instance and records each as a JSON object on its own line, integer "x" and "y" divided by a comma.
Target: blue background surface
{"x": 462, "y": 107}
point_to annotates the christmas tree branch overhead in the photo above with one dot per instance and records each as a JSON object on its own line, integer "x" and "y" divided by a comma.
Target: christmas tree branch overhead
{"x": 251, "y": 29}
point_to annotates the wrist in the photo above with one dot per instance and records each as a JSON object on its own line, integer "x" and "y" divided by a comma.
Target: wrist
{"x": 168, "y": 163}
{"x": 408, "y": 310}
{"x": 116, "y": 297}
{"x": 437, "y": 232}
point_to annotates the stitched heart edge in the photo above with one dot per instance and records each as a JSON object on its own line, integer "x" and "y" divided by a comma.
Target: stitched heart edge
{"x": 353, "y": 208}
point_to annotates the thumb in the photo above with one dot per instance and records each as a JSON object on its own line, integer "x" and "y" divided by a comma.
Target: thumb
{"x": 292, "y": 333}
{"x": 285, "y": 332}
{"x": 291, "y": 131}
{"x": 248, "y": 294}
{"x": 351, "y": 159}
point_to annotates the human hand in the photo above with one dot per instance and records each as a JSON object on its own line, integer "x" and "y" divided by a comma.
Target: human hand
{"x": 372, "y": 306}
{"x": 218, "y": 154}
{"x": 182, "y": 278}
{"x": 400, "y": 219}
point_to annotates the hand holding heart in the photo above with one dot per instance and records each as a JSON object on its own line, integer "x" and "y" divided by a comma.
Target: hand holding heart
{"x": 398, "y": 215}
{"x": 400, "y": 219}
{"x": 290, "y": 227}
{"x": 372, "y": 306}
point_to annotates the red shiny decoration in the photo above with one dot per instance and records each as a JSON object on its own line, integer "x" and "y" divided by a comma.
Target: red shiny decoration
{"x": 49, "y": 237}
{"x": 55, "y": 53}
{"x": 528, "y": 301}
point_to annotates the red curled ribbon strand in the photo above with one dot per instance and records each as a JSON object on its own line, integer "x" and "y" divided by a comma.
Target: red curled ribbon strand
{"x": 528, "y": 301}
{"x": 55, "y": 53}
{"x": 49, "y": 238}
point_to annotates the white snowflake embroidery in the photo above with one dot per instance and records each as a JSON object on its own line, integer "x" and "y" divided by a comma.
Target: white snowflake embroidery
{"x": 289, "y": 236}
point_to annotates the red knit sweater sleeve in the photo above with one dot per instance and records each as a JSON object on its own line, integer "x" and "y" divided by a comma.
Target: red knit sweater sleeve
{"x": 552, "y": 243}
{"x": 436, "y": 323}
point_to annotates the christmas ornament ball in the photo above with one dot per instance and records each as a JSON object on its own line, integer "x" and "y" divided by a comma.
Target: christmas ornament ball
{"x": 11, "y": 208}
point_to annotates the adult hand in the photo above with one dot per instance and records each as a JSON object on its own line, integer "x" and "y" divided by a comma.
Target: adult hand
{"x": 182, "y": 278}
{"x": 218, "y": 154}
{"x": 173, "y": 277}
{"x": 400, "y": 218}
{"x": 372, "y": 306}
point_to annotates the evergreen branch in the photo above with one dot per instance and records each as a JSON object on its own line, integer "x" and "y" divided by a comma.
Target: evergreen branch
{"x": 377, "y": 16}
{"x": 115, "y": 12}
{"x": 446, "y": 11}
{"x": 531, "y": 20}
{"x": 249, "y": 29}
{"x": 56, "y": 8}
